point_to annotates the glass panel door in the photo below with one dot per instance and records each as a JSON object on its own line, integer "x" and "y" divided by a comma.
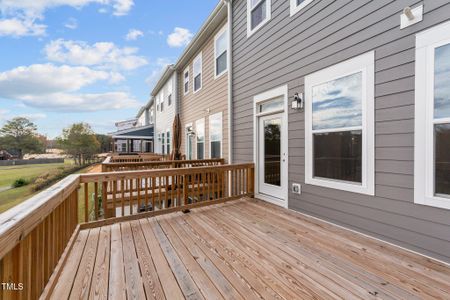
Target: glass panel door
{"x": 271, "y": 155}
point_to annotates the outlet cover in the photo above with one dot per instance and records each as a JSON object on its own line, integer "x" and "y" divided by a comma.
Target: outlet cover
{"x": 296, "y": 188}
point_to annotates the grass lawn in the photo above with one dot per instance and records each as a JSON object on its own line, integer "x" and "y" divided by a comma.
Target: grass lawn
{"x": 12, "y": 197}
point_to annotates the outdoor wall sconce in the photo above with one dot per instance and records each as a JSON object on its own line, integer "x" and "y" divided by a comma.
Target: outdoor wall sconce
{"x": 190, "y": 131}
{"x": 411, "y": 16}
{"x": 298, "y": 102}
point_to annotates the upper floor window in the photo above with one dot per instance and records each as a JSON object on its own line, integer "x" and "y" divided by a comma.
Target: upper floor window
{"x": 297, "y": 5}
{"x": 162, "y": 100}
{"x": 186, "y": 80}
{"x": 169, "y": 92}
{"x": 220, "y": 52}
{"x": 339, "y": 125}
{"x": 151, "y": 116}
{"x": 432, "y": 117}
{"x": 258, "y": 13}
{"x": 215, "y": 135}
{"x": 197, "y": 73}
{"x": 157, "y": 103}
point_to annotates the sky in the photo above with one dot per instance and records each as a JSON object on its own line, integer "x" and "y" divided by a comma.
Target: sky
{"x": 94, "y": 61}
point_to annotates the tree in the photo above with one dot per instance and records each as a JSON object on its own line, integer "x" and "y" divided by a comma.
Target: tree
{"x": 79, "y": 141}
{"x": 105, "y": 142}
{"x": 20, "y": 136}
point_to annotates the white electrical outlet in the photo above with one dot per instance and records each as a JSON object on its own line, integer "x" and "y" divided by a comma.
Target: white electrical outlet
{"x": 296, "y": 188}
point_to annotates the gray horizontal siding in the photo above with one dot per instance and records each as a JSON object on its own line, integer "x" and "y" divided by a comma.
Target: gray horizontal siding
{"x": 324, "y": 33}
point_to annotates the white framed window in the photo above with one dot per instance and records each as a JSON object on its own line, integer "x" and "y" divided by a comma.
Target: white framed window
{"x": 169, "y": 92}
{"x": 157, "y": 103}
{"x": 197, "y": 70}
{"x": 163, "y": 143}
{"x": 339, "y": 126}
{"x": 258, "y": 14}
{"x": 297, "y": 5}
{"x": 168, "y": 142}
{"x": 186, "y": 81}
{"x": 161, "y": 96}
{"x": 200, "y": 138}
{"x": 432, "y": 117}
{"x": 220, "y": 52}
{"x": 215, "y": 135}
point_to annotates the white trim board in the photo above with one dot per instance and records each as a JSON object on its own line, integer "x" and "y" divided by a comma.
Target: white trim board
{"x": 426, "y": 43}
{"x": 257, "y": 99}
{"x": 364, "y": 64}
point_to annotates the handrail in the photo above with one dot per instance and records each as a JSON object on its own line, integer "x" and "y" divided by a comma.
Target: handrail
{"x": 125, "y": 166}
{"x": 17, "y": 222}
{"x": 34, "y": 236}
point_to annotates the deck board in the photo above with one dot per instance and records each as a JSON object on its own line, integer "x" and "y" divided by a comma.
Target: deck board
{"x": 245, "y": 249}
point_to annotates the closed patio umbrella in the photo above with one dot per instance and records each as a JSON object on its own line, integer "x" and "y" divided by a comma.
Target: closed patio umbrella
{"x": 176, "y": 138}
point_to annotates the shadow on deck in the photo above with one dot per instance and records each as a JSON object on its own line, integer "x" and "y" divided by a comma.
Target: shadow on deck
{"x": 244, "y": 249}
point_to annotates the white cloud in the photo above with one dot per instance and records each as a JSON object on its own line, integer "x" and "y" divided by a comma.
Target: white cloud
{"x": 133, "y": 34}
{"x": 103, "y": 54}
{"x": 18, "y": 27}
{"x": 157, "y": 68}
{"x": 71, "y": 23}
{"x": 19, "y": 16}
{"x": 82, "y": 102}
{"x": 57, "y": 88}
{"x": 122, "y": 7}
{"x": 179, "y": 37}
{"x": 42, "y": 79}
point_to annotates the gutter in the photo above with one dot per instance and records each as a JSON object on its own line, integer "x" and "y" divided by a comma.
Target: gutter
{"x": 230, "y": 78}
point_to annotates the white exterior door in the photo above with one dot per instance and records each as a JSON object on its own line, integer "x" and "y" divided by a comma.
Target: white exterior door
{"x": 271, "y": 156}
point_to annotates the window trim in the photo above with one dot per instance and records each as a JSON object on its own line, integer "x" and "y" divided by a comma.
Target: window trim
{"x": 169, "y": 140}
{"x": 364, "y": 63}
{"x": 169, "y": 92}
{"x": 251, "y": 31}
{"x": 186, "y": 81}
{"x": 200, "y": 57}
{"x": 210, "y": 131}
{"x": 294, "y": 8}
{"x": 216, "y": 37}
{"x": 202, "y": 122}
{"x": 424, "y": 177}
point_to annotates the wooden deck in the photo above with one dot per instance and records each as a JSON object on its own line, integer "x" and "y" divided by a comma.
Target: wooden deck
{"x": 245, "y": 249}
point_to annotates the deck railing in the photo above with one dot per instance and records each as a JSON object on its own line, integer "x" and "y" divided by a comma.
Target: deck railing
{"x": 108, "y": 166}
{"x": 136, "y": 158}
{"x": 119, "y": 194}
{"x": 36, "y": 236}
{"x": 33, "y": 237}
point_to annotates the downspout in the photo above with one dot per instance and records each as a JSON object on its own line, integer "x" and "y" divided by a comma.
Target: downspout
{"x": 230, "y": 79}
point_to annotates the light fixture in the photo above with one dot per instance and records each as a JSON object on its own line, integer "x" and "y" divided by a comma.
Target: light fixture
{"x": 298, "y": 102}
{"x": 411, "y": 16}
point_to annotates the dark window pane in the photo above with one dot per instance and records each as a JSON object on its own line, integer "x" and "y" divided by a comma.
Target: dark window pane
{"x": 169, "y": 100}
{"x": 186, "y": 87}
{"x": 258, "y": 14}
{"x": 221, "y": 63}
{"x": 442, "y": 159}
{"x": 197, "y": 82}
{"x": 200, "y": 151}
{"x": 337, "y": 155}
{"x": 272, "y": 152}
{"x": 215, "y": 149}
{"x": 300, "y": 2}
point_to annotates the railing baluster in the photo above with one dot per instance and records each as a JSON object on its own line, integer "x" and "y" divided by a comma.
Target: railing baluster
{"x": 153, "y": 193}
{"x": 114, "y": 195}
{"x": 122, "y": 187}
{"x": 86, "y": 202}
{"x": 96, "y": 213}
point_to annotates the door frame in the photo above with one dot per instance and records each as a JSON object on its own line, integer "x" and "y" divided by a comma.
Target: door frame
{"x": 281, "y": 91}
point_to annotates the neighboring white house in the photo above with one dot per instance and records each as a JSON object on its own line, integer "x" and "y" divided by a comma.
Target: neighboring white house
{"x": 165, "y": 95}
{"x": 136, "y": 135}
